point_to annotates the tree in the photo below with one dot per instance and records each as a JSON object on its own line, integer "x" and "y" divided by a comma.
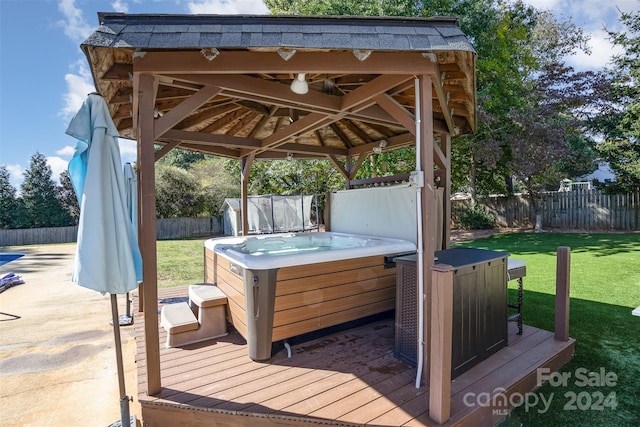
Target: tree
{"x": 345, "y": 7}
{"x": 8, "y": 201}
{"x": 183, "y": 159}
{"x": 42, "y": 208}
{"x": 619, "y": 120}
{"x": 177, "y": 193}
{"x": 67, "y": 196}
{"x": 546, "y": 130}
{"x": 388, "y": 163}
{"x": 218, "y": 178}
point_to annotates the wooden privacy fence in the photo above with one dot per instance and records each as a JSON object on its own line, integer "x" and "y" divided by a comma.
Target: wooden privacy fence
{"x": 175, "y": 228}
{"x": 589, "y": 210}
{"x": 166, "y": 228}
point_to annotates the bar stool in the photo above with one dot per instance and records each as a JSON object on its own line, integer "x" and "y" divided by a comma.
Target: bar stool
{"x": 516, "y": 270}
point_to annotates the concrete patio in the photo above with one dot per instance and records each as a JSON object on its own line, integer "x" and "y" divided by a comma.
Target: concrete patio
{"x": 57, "y": 360}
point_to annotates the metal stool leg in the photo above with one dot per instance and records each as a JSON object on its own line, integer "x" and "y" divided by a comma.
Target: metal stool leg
{"x": 520, "y": 306}
{"x": 517, "y": 316}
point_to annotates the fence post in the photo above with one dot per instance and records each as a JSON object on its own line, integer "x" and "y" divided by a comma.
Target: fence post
{"x": 563, "y": 269}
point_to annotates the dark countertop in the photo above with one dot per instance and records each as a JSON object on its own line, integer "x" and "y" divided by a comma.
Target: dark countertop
{"x": 460, "y": 257}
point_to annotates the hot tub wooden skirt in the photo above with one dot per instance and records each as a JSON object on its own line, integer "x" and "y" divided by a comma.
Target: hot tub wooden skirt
{"x": 271, "y": 305}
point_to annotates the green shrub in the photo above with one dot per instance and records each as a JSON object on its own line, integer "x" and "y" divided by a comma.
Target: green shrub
{"x": 474, "y": 218}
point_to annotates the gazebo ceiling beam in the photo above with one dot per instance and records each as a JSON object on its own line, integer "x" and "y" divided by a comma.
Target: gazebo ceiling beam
{"x": 173, "y": 117}
{"x": 235, "y": 115}
{"x": 248, "y": 62}
{"x": 368, "y": 91}
{"x": 353, "y": 128}
{"x": 212, "y": 139}
{"x": 310, "y": 149}
{"x": 397, "y": 111}
{"x": 205, "y": 114}
{"x": 354, "y": 167}
{"x": 215, "y": 150}
{"x": 250, "y": 117}
{"x": 272, "y": 93}
{"x": 340, "y": 134}
{"x": 309, "y": 123}
{"x": 165, "y": 149}
{"x": 255, "y": 106}
{"x": 397, "y": 141}
{"x": 336, "y": 163}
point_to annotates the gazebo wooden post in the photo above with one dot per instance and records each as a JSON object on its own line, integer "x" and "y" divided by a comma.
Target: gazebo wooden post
{"x": 445, "y": 141}
{"x": 245, "y": 169}
{"x": 147, "y": 239}
{"x": 348, "y": 167}
{"x": 424, "y": 98}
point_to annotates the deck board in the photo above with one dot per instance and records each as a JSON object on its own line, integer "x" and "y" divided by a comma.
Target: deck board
{"x": 348, "y": 378}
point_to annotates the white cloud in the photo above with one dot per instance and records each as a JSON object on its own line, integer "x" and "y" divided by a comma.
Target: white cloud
{"x": 66, "y": 151}
{"x": 15, "y": 175}
{"x": 601, "y": 52}
{"x": 58, "y": 165}
{"x": 592, "y": 16}
{"x": 120, "y": 6}
{"x": 128, "y": 150}
{"x": 543, "y": 4}
{"x": 230, "y": 7}
{"x": 79, "y": 85}
{"x": 73, "y": 22}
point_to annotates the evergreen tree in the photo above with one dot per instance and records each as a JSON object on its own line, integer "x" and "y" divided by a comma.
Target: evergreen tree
{"x": 67, "y": 196}
{"x": 8, "y": 201}
{"x": 620, "y": 112}
{"x": 42, "y": 207}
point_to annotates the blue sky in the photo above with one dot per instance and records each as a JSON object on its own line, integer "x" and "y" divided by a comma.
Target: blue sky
{"x": 44, "y": 76}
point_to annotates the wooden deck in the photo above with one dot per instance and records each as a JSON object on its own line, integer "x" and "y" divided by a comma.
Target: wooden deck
{"x": 346, "y": 378}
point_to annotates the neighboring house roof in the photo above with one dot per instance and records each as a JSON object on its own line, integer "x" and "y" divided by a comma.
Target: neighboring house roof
{"x": 602, "y": 174}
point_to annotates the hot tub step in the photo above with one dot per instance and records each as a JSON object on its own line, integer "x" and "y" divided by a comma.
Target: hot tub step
{"x": 182, "y": 326}
{"x": 210, "y": 304}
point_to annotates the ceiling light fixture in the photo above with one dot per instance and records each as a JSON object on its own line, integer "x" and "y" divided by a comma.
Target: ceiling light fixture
{"x": 378, "y": 148}
{"x": 289, "y": 156}
{"x": 361, "y": 54}
{"x": 210, "y": 53}
{"x": 157, "y": 113}
{"x": 299, "y": 85}
{"x": 286, "y": 53}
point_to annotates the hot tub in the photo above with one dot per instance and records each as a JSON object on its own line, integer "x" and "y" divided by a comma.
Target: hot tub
{"x": 283, "y": 285}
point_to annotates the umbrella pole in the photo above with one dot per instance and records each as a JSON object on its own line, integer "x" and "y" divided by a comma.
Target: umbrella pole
{"x": 124, "y": 399}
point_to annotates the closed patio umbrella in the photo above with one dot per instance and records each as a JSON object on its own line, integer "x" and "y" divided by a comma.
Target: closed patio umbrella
{"x": 131, "y": 195}
{"x": 107, "y": 256}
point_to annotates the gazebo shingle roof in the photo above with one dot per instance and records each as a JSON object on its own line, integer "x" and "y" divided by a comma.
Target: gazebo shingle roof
{"x": 327, "y": 32}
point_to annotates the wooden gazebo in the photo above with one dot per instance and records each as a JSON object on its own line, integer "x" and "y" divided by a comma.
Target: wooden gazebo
{"x": 222, "y": 85}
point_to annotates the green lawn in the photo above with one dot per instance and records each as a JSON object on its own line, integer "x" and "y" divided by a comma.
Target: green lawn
{"x": 180, "y": 262}
{"x": 605, "y": 287}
